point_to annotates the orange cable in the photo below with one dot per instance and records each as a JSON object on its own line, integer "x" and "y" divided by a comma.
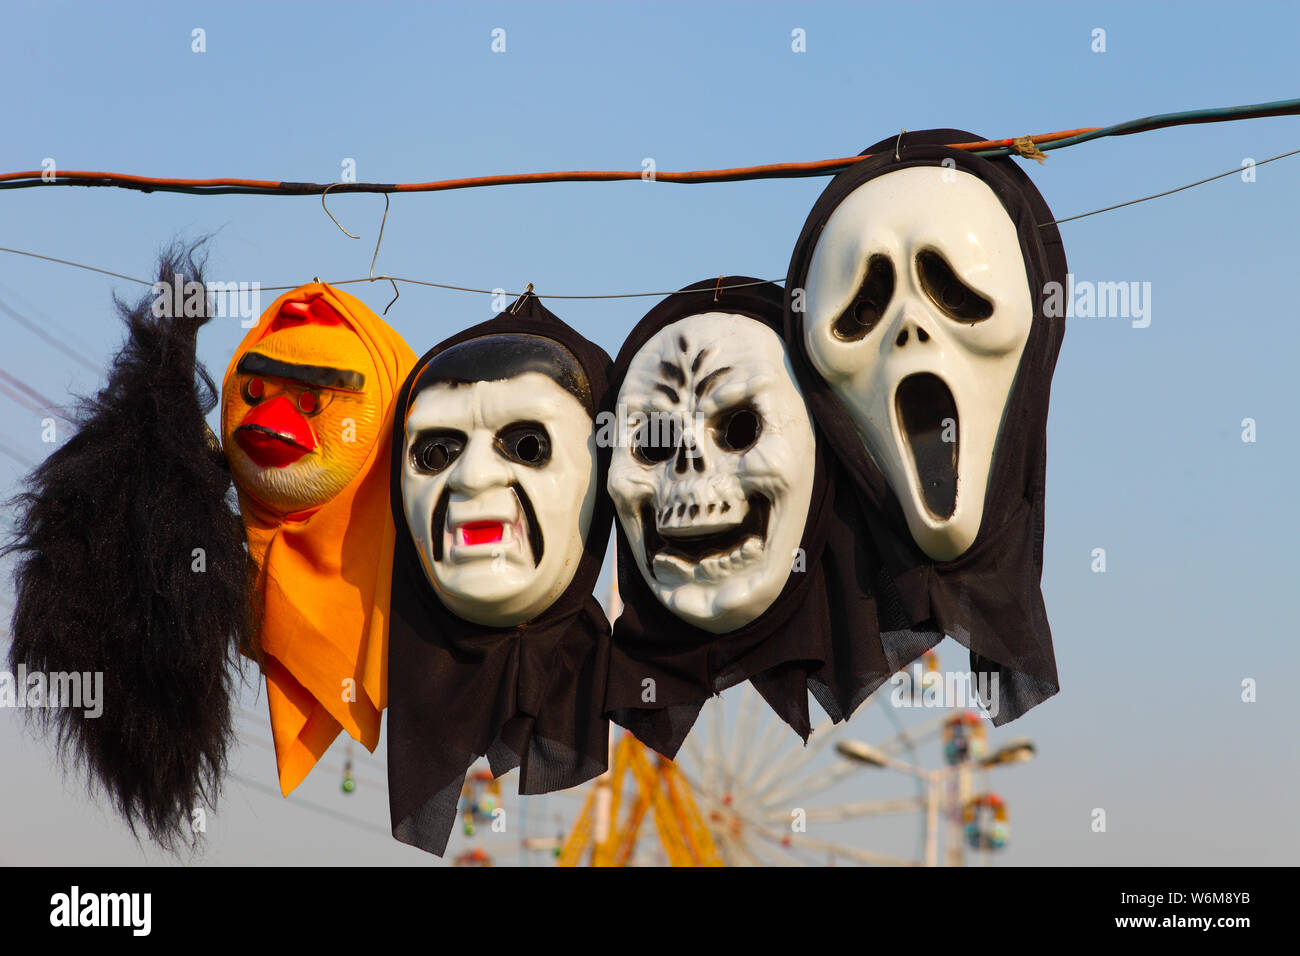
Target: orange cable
{"x": 700, "y": 175}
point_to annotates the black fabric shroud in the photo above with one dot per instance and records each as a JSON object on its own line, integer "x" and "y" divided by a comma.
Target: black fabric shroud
{"x": 527, "y": 696}
{"x": 793, "y": 640}
{"x": 989, "y": 598}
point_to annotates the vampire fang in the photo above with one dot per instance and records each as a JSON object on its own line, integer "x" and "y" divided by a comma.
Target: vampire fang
{"x": 481, "y": 532}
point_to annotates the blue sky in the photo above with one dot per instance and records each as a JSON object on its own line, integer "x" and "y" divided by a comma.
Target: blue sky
{"x": 1145, "y": 452}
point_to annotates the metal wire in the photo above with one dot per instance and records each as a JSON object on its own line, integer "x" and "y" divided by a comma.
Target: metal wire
{"x": 1167, "y": 192}
{"x": 609, "y": 295}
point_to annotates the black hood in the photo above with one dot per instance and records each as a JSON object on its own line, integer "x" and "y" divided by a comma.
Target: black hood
{"x": 527, "y": 696}
{"x": 989, "y": 598}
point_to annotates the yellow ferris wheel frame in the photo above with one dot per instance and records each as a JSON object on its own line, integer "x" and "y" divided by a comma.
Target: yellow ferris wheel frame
{"x": 599, "y": 838}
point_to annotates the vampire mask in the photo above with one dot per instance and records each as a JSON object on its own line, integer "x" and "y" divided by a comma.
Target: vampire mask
{"x": 497, "y": 646}
{"x": 306, "y": 421}
{"x": 916, "y": 315}
{"x": 711, "y": 481}
{"x": 499, "y": 476}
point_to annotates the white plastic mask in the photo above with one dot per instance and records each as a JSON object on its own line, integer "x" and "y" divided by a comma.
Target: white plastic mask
{"x": 498, "y": 487}
{"x": 713, "y": 474}
{"x": 918, "y": 309}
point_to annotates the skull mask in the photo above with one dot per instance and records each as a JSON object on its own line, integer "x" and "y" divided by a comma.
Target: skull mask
{"x": 713, "y": 474}
{"x": 918, "y": 310}
{"x": 499, "y": 475}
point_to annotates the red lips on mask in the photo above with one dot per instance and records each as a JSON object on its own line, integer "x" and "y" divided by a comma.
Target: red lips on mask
{"x": 274, "y": 434}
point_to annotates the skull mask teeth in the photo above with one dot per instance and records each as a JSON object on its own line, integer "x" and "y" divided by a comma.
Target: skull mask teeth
{"x": 711, "y": 481}
{"x": 918, "y": 310}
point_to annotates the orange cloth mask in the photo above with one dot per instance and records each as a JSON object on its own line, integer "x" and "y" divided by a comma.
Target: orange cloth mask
{"x": 306, "y": 422}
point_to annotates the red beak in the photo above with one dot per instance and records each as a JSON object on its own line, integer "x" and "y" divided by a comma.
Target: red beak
{"x": 274, "y": 435}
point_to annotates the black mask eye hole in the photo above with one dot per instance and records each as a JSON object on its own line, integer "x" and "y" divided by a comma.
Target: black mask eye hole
{"x": 525, "y": 443}
{"x": 737, "y": 429}
{"x": 655, "y": 439}
{"x": 957, "y": 300}
{"x": 868, "y": 306}
{"x": 434, "y": 451}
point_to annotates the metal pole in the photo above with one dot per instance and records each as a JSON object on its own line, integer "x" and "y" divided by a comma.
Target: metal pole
{"x": 959, "y": 793}
{"x": 932, "y": 819}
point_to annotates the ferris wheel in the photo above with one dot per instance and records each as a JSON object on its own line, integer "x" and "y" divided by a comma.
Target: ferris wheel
{"x": 745, "y": 791}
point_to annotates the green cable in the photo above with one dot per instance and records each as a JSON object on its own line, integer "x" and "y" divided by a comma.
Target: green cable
{"x": 1222, "y": 114}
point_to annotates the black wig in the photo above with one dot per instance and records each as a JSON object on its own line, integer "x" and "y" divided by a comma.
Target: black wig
{"x": 132, "y": 564}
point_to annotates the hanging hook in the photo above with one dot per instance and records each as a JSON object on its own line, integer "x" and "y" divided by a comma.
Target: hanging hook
{"x": 378, "y": 241}
{"x": 382, "y": 223}
{"x": 373, "y": 259}
{"x": 331, "y": 215}
{"x": 898, "y": 144}
{"x": 528, "y": 289}
{"x": 717, "y": 289}
{"x": 396, "y": 295}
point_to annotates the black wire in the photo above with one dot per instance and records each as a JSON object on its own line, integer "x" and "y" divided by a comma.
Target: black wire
{"x": 45, "y": 336}
{"x": 308, "y": 804}
{"x": 17, "y": 456}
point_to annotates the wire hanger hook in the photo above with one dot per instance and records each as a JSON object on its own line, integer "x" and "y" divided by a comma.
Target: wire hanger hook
{"x": 378, "y": 242}
{"x": 375, "y": 258}
{"x": 520, "y": 300}
{"x": 331, "y": 215}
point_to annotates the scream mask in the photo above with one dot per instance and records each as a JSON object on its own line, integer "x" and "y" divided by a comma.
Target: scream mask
{"x": 306, "y": 408}
{"x": 918, "y": 310}
{"x": 498, "y": 477}
{"x": 497, "y": 647}
{"x": 926, "y": 352}
{"x": 712, "y": 484}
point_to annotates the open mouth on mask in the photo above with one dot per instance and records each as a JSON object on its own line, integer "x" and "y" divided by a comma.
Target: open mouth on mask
{"x": 464, "y": 532}
{"x": 927, "y": 418}
{"x": 683, "y": 555}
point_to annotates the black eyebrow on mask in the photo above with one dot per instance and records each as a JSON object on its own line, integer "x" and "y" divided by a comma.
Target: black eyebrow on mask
{"x": 670, "y": 370}
{"x": 706, "y": 383}
{"x": 669, "y": 391}
{"x": 321, "y": 376}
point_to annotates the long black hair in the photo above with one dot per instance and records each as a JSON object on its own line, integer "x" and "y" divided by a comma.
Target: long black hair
{"x": 132, "y": 564}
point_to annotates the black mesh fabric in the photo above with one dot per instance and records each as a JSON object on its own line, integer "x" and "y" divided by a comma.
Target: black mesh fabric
{"x": 527, "y": 696}
{"x": 989, "y": 598}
